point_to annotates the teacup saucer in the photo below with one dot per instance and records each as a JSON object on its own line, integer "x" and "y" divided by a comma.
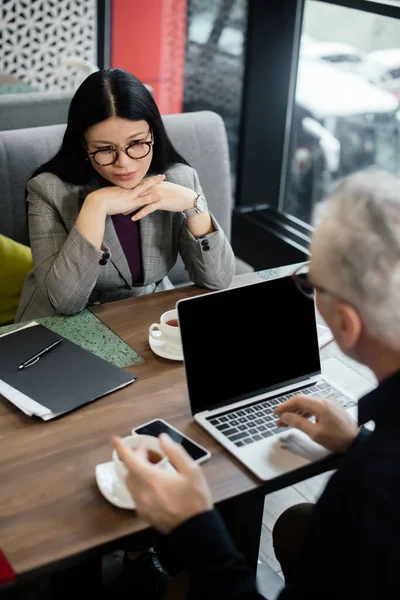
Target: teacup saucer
{"x": 161, "y": 348}
{"x": 113, "y": 489}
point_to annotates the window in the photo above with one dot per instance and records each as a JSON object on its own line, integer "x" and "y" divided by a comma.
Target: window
{"x": 346, "y": 112}
{"x": 214, "y": 62}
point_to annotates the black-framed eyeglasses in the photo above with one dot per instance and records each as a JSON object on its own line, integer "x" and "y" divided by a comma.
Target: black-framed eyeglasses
{"x": 109, "y": 155}
{"x": 303, "y": 284}
{"x": 308, "y": 289}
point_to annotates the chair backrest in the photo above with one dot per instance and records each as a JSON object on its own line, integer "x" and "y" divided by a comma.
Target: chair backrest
{"x": 199, "y": 136}
{"x": 36, "y": 109}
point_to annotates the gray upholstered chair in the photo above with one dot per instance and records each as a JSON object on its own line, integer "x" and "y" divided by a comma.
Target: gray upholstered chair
{"x": 35, "y": 109}
{"x": 199, "y": 136}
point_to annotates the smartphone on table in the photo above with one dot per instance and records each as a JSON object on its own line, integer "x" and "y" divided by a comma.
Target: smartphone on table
{"x": 198, "y": 453}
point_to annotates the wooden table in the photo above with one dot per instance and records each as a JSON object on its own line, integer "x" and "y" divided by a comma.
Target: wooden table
{"x": 51, "y": 511}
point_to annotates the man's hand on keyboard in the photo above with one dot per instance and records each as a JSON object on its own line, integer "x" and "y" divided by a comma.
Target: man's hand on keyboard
{"x": 332, "y": 426}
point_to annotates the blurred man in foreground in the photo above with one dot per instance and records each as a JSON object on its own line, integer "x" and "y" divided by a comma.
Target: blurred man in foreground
{"x": 351, "y": 540}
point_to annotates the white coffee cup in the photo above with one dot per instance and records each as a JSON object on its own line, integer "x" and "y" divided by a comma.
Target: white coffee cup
{"x": 151, "y": 444}
{"x": 166, "y": 331}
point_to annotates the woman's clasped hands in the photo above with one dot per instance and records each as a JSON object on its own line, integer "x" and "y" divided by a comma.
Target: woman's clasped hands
{"x": 151, "y": 194}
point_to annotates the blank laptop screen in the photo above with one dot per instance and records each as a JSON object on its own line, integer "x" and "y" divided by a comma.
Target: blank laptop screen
{"x": 245, "y": 341}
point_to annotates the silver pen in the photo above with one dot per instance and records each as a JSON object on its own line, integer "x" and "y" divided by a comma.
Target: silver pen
{"x": 31, "y": 361}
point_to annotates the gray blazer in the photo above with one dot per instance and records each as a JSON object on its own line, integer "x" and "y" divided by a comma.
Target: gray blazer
{"x": 68, "y": 273}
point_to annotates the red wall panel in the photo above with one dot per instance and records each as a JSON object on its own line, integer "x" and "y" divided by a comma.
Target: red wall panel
{"x": 148, "y": 39}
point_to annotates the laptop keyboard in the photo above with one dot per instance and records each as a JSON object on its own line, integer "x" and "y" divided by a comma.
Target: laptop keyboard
{"x": 253, "y": 423}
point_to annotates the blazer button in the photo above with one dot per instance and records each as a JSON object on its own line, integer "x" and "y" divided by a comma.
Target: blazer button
{"x": 204, "y": 243}
{"x": 106, "y": 255}
{"x": 205, "y": 248}
{"x": 102, "y": 261}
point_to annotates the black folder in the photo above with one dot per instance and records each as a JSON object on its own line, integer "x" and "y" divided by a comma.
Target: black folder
{"x": 64, "y": 378}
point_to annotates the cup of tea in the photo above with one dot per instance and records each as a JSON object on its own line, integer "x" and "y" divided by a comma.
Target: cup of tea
{"x": 167, "y": 330}
{"x": 154, "y": 453}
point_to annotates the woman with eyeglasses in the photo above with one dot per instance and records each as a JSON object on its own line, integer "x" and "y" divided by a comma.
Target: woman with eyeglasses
{"x": 111, "y": 212}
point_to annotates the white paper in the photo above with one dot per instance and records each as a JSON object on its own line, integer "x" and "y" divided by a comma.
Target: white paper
{"x": 25, "y": 403}
{"x": 325, "y": 335}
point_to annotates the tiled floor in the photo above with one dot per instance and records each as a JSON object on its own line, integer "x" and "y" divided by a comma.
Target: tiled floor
{"x": 275, "y": 504}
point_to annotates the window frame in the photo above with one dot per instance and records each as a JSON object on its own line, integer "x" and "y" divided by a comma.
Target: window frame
{"x": 264, "y": 144}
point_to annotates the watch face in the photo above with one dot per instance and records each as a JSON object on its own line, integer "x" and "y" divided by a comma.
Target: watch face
{"x": 201, "y": 203}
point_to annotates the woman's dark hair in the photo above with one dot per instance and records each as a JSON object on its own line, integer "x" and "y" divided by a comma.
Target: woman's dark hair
{"x": 104, "y": 94}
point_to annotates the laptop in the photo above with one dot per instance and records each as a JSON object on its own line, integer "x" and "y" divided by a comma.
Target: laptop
{"x": 246, "y": 350}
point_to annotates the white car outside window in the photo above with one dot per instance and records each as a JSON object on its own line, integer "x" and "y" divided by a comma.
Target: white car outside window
{"x": 384, "y": 69}
{"x": 326, "y": 91}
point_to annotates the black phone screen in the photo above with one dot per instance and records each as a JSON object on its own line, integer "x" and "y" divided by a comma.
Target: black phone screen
{"x": 156, "y": 427}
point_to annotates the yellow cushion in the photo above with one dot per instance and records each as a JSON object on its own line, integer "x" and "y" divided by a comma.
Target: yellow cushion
{"x": 16, "y": 261}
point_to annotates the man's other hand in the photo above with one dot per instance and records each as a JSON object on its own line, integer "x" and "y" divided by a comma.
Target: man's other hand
{"x": 332, "y": 426}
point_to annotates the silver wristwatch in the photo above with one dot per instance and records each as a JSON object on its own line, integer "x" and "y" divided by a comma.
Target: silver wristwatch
{"x": 200, "y": 206}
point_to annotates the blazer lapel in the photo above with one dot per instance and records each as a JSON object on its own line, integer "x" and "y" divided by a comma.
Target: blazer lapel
{"x": 150, "y": 239}
{"x": 111, "y": 240}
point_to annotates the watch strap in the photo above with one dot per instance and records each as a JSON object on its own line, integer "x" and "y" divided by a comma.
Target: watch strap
{"x": 193, "y": 212}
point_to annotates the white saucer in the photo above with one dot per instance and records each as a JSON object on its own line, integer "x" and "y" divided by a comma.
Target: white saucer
{"x": 113, "y": 489}
{"x": 161, "y": 348}
{"x": 111, "y": 486}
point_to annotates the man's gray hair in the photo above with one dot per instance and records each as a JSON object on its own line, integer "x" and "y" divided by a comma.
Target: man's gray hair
{"x": 363, "y": 218}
